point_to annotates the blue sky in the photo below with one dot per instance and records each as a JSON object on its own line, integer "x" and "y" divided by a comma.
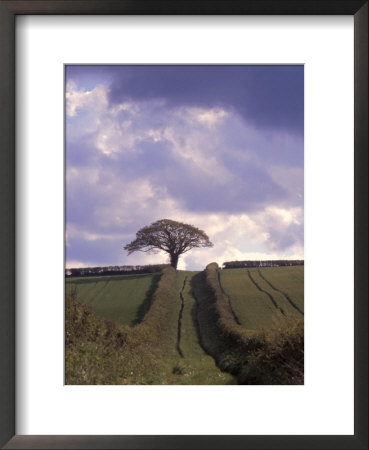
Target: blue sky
{"x": 219, "y": 147}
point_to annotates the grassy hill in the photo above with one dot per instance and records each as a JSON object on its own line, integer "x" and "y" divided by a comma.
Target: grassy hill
{"x": 181, "y": 327}
{"x": 124, "y": 298}
{"x": 191, "y": 363}
{"x": 263, "y": 298}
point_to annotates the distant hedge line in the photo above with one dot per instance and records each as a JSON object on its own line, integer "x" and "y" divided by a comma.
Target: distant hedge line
{"x": 113, "y": 270}
{"x": 270, "y": 357}
{"x": 266, "y": 263}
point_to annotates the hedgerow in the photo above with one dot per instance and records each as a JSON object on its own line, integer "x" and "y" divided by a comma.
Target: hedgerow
{"x": 99, "y": 351}
{"x": 233, "y": 333}
{"x": 267, "y": 357}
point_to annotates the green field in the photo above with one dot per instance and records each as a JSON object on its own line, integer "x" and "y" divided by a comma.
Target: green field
{"x": 267, "y": 297}
{"x": 183, "y": 331}
{"x": 124, "y": 298}
{"x": 289, "y": 280}
{"x": 192, "y": 365}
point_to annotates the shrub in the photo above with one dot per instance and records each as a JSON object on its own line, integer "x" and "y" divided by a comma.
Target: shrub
{"x": 234, "y": 333}
{"x": 280, "y": 358}
{"x": 100, "y": 351}
{"x": 268, "y": 357}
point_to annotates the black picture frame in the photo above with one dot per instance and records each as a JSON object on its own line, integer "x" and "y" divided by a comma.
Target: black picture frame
{"x": 8, "y": 11}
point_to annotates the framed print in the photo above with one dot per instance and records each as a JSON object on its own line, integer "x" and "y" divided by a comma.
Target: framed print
{"x": 233, "y": 124}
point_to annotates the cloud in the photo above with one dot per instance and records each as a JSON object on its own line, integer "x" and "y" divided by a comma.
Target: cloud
{"x": 77, "y": 99}
{"x": 133, "y": 161}
{"x": 235, "y": 237}
{"x": 75, "y": 264}
{"x": 271, "y": 97}
{"x": 206, "y": 116}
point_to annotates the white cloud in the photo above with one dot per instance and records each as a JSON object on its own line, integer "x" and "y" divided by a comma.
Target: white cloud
{"x": 75, "y": 264}
{"x": 288, "y": 216}
{"x": 82, "y": 99}
{"x": 205, "y": 116}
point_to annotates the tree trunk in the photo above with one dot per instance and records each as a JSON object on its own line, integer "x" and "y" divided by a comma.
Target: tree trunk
{"x": 174, "y": 260}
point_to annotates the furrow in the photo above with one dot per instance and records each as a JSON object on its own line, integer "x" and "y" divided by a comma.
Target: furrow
{"x": 196, "y": 321}
{"x": 267, "y": 293}
{"x": 288, "y": 298}
{"x": 180, "y": 320}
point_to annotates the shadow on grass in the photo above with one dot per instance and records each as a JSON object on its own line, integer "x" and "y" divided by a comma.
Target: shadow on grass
{"x": 195, "y": 312}
{"x": 203, "y": 317}
{"x": 145, "y": 305}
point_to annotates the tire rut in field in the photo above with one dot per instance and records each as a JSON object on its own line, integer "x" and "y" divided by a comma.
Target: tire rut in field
{"x": 288, "y": 298}
{"x": 98, "y": 292}
{"x": 272, "y": 299}
{"x": 179, "y": 326}
{"x": 196, "y": 321}
{"x": 229, "y": 301}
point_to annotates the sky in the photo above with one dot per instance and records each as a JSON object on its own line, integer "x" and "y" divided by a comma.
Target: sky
{"x": 219, "y": 147}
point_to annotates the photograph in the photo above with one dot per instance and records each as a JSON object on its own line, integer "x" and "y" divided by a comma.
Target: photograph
{"x": 184, "y": 224}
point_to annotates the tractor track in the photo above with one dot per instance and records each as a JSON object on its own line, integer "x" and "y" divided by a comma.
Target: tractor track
{"x": 179, "y": 326}
{"x": 272, "y": 299}
{"x": 229, "y": 300}
{"x": 197, "y": 322}
{"x": 288, "y": 298}
{"x": 99, "y": 292}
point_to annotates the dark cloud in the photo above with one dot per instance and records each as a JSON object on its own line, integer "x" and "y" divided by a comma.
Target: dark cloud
{"x": 270, "y": 97}
{"x": 268, "y": 148}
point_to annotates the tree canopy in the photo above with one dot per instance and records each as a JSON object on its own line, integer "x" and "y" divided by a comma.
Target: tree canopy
{"x": 169, "y": 236}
